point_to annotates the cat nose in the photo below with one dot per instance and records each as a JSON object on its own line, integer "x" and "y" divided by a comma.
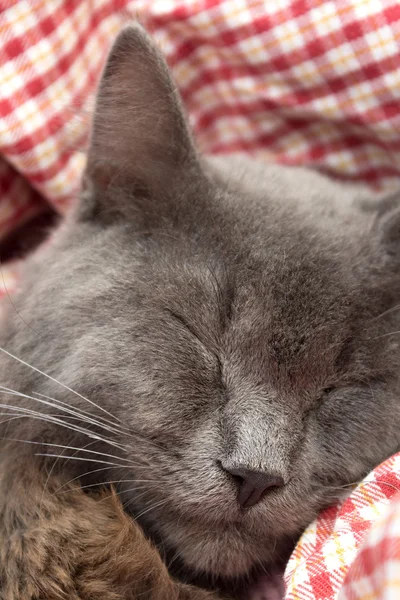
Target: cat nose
{"x": 253, "y": 485}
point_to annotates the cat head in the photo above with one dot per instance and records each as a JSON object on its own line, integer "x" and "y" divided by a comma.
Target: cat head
{"x": 225, "y": 328}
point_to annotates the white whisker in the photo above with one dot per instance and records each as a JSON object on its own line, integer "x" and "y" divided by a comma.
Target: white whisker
{"x": 68, "y": 410}
{"x": 153, "y": 507}
{"x": 137, "y": 488}
{"x": 116, "y": 481}
{"x": 386, "y": 335}
{"x": 69, "y": 448}
{"x": 22, "y": 362}
{"x": 58, "y": 421}
{"x": 386, "y": 312}
{"x": 46, "y": 483}
{"x": 82, "y": 412}
{"x": 103, "y": 462}
{"x": 89, "y": 473}
{"x": 77, "y": 414}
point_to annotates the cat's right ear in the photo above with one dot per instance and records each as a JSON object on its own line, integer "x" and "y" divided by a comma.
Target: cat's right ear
{"x": 386, "y": 224}
{"x": 141, "y": 149}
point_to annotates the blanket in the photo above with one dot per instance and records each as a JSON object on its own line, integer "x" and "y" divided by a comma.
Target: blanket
{"x": 299, "y": 82}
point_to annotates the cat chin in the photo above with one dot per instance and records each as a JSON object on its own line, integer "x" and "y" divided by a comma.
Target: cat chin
{"x": 233, "y": 549}
{"x": 225, "y": 554}
{"x": 225, "y": 560}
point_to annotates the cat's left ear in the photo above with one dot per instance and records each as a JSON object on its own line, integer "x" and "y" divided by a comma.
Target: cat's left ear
{"x": 140, "y": 140}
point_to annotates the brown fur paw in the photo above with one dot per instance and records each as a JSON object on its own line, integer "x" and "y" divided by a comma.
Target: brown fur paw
{"x": 63, "y": 544}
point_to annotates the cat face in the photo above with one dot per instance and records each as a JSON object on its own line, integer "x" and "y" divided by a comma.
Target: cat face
{"x": 221, "y": 326}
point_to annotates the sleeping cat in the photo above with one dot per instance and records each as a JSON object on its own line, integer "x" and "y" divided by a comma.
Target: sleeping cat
{"x": 214, "y": 337}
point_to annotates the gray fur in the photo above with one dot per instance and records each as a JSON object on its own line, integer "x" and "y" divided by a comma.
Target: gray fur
{"x": 223, "y": 311}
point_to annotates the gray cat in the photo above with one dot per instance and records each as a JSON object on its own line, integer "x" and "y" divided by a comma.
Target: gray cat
{"x": 223, "y": 332}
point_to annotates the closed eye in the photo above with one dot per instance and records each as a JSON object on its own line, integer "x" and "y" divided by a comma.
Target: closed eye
{"x": 325, "y": 393}
{"x": 182, "y": 321}
{"x": 328, "y": 390}
{"x": 185, "y": 324}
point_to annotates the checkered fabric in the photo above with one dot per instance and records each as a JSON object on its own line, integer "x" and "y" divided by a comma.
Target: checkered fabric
{"x": 301, "y": 82}
{"x": 375, "y": 572}
{"x": 336, "y": 548}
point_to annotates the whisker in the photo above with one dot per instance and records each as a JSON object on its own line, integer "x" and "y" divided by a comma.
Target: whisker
{"x": 53, "y": 466}
{"x": 136, "y": 488}
{"x": 14, "y": 417}
{"x": 22, "y": 362}
{"x": 69, "y": 448}
{"x": 79, "y": 415}
{"x": 45, "y": 418}
{"x": 386, "y": 335}
{"x": 89, "y": 473}
{"x": 95, "y": 460}
{"x": 132, "y": 499}
{"x": 58, "y": 421}
{"x": 386, "y": 312}
{"x": 81, "y": 411}
{"x": 116, "y": 481}
{"x": 68, "y": 410}
{"x": 362, "y": 484}
{"x": 343, "y": 487}
{"x": 263, "y": 568}
{"x": 46, "y": 483}
{"x": 153, "y": 507}
{"x": 177, "y": 555}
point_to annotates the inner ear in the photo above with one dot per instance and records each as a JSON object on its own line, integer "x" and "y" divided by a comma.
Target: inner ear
{"x": 140, "y": 138}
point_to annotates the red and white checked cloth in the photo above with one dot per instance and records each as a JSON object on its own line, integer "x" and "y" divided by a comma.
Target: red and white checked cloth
{"x": 302, "y": 82}
{"x": 375, "y": 572}
{"x": 352, "y": 551}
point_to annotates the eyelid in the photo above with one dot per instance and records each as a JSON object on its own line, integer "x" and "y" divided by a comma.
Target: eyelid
{"x": 325, "y": 393}
{"x": 182, "y": 321}
{"x": 185, "y": 324}
{"x": 329, "y": 389}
